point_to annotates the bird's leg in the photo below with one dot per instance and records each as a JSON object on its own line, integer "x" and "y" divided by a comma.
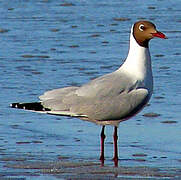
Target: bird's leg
{"x": 102, "y": 146}
{"x": 115, "y": 158}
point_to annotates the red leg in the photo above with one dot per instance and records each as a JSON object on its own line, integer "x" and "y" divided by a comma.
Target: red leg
{"x": 102, "y": 146}
{"x": 115, "y": 158}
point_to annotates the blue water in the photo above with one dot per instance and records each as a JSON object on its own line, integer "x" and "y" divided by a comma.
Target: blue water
{"x": 48, "y": 45}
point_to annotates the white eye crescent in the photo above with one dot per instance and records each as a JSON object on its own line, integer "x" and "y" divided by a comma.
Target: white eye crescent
{"x": 141, "y": 27}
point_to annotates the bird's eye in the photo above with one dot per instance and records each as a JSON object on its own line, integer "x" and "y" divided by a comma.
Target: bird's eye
{"x": 141, "y": 27}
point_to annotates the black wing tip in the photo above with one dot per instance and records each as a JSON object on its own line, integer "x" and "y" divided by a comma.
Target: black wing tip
{"x": 14, "y": 105}
{"x": 34, "y": 106}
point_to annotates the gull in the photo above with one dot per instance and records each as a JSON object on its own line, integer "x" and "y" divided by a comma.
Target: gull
{"x": 111, "y": 98}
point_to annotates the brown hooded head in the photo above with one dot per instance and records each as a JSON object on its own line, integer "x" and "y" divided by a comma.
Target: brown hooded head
{"x": 143, "y": 31}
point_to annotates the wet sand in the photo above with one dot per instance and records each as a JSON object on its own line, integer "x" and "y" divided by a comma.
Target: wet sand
{"x": 88, "y": 170}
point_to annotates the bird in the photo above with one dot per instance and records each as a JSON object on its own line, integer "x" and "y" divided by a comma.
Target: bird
{"x": 111, "y": 98}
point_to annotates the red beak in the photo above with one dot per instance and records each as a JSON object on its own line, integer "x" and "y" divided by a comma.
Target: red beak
{"x": 159, "y": 35}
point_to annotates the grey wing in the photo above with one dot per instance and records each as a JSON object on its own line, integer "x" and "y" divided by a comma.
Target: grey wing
{"x": 119, "y": 107}
{"x": 90, "y": 89}
{"x": 107, "y": 85}
{"x": 53, "y": 99}
{"x": 65, "y": 98}
{"x": 106, "y": 98}
{"x": 57, "y": 93}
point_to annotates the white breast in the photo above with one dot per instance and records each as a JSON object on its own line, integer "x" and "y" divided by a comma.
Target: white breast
{"x": 138, "y": 64}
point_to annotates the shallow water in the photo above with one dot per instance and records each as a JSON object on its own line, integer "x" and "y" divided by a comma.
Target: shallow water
{"x": 49, "y": 44}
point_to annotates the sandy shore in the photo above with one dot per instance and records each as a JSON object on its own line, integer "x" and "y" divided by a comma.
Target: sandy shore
{"x": 85, "y": 170}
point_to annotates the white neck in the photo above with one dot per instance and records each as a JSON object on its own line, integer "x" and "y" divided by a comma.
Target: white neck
{"x": 138, "y": 61}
